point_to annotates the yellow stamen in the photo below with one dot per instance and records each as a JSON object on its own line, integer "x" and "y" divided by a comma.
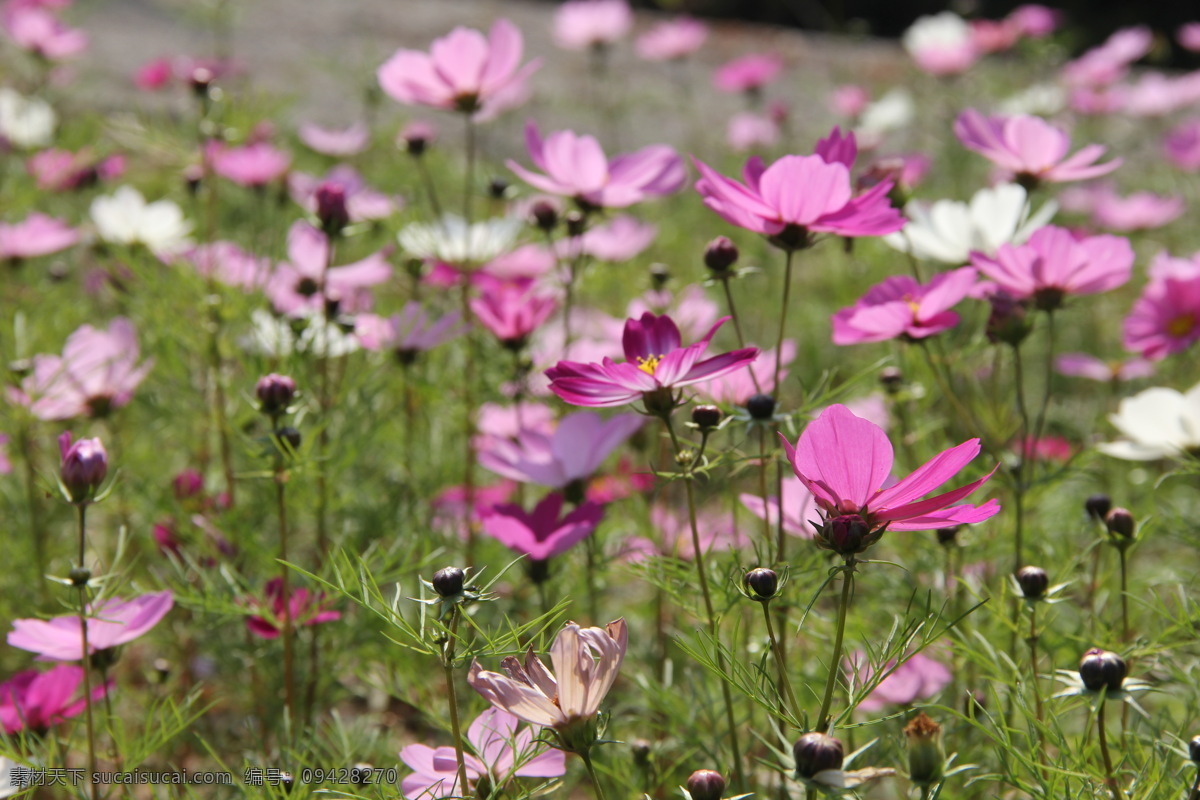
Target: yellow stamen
{"x": 649, "y": 364}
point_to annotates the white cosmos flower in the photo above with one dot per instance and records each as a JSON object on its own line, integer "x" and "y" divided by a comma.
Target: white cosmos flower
{"x": 893, "y": 111}
{"x": 25, "y": 122}
{"x": 1156, "y": 423}
{"x": 949, "y": 231}
{"x": 1040, "y": 99}
{"x": 125, "y": 217}
{"x": 275, "y": 336}
{"x": 453, "y": 241}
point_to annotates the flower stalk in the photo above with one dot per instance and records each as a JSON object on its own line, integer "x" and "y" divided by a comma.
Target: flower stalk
{"x": 847, "y": 571}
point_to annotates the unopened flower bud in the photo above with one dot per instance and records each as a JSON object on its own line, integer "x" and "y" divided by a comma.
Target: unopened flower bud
{"x": 1033, "y": 582}
{"x": 79, "y": 576}
{"x": 948, "y": 537}
{"x": 720, "y": 255}
{"x": 163, "y": 668}
{"x": 642, "y": 750}
{"x": 891, "y": 378}
{"x": 817, "y": 752}
{"x": 1120, "y": 523}
{"x": 576, "y": 223}
{"x": 200, "y": 79}
{"x": 331, "y": 208}
{"x": 187, "y": 484}
{"x": 1008, "y": 323}
{"x": 706, "y": 417}
{"x": 448, "y": 581}
{"x": 761, "y": 583}
{"x": 659, "y": 275}
{"x": 84, "y": 467}
{"x": 497, "y": 188}
{"x": 275, "y": 393}
{"x": 1194, "y": 750}
{"x": 761, "y": 406}
{"x": 545, "y": 215}
{"x": 1098, "y": 506}
{"x": 193, "y": 176}
{"x": 926, "y": 761}
{"x": 289, "y": 436}
{"x": 846, "y": 534}
{"x": 1102, "y": 669}
{"x": 706, "y": 784}
{"x": 416, "y": 137}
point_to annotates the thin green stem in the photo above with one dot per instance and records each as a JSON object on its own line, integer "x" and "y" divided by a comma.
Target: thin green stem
{"x": 469, "y": 378}
{"x": 787, "y": 289}
{"x": 430, "y": 187}
{"x": 835, "y": 661}
{"x": 737, "y": 327}
{"x": 289, "y": 689}
{"x": 1125, "y": 631}
{"x": 1110, "y": 776}
{"x": 763, "y": 492}
{"x": 1022, "y": 464}
{"x": 469, "y": 175}
{"x": 87, "y": 666}
{"x": 452, "y": 700}
{"x": 587, "y": 761}
{"x": 781, "y": 664}
{"x": 35, "y": 517}
{"x": 1033, "y": 665}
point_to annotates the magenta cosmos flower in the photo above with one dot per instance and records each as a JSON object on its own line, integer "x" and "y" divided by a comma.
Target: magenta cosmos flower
{"x": 541, "y": 533}
{"x": 586, "y": 663}
{"x": 584, "y": 24}
{"x": 463, "y": 71}
{"x": 497, "y": 752}
{"x": 1030, "y": 148}
{"x": 575, "y": 449}
{"x": 253, "y": 165}
{"x": 110, "y": 624}
{"x": 575, "y": 166}
{"x": 64, "y": 170}
{"x": 96, "y": 373}
{"x": 656, "y": 364}
{"x": 36, "y": 235}
{"x": 747, "y": 73}
{"x": 37, "y": 701}
{"x": 513, "y": 311}
{"x": 800, "y": 516}
{"x": 304, "y": 608}
{"x": 672, "y": 39}
{"x": 846, "y": 462}
{"x": 1165, "y": 319}
{"x": 37, "y": 30}
{"x": 1182, "y": 145}
{"x": 900, "y": 306}
{"x": 1054, "y": 264}
{"x": 300, "y": 285}
{"x": 362, "y": 202}
{"x": 799, "y": 196}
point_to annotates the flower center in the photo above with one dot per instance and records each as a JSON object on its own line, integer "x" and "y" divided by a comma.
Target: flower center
{"x": 1181, "y": 325}
{"x": 648, "y": 364}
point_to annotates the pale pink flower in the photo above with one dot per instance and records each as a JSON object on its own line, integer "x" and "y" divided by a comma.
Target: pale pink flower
{"x": 362, "y": 202}
{"x": 255, "y": 164}
{"x": 1053, "y": 264}
{"x": 1082, "y": 365}
{"x": 619, "y": 239}
{"x": 36, "y": 235}
{"x": 1137, "y": 211}
{"x": 941, "y": 44}
{"x": 5, "y": 464}
{"x": 1030, "y": 148}
{"x": 336, "y": 142}
{"x": 300, "y": 285}
{"x": 40, "y": 32}
{"x": 1109, "y": 62}
{"x": 1165, "y": 319}
{"x": 800, "y": 514}
{"x": 228, "y": 263}
{"x": 993, "y": 36}
{"x": 576, "y": 166}
{"x": 110, "y": 623}
{"x": 572, "y": 452}
{"x": 586, "y": 663}
{"x": 918, "y": 678}
{"x": 450, "y": 505}
{"x": 1188, "y": 36}
{"x": 1035, "y": 20}
{"x": 849, "y": 101}
{"x": 494, "y": 421}
{"x": 409, "y": 333}
{"x": 544, "y": 532}
{"x": 738, "y": 387}
{"x": 96, "y": 373}
{"x": 902, "y": 307}
{"x": 1182, "y": 145}
{"x": 463, "y": 71}
{"x": 846, "y": 462}
{"x": 715, "y": 528}
{"x": 747, "y": 130}
{"x": 1164, "y": 265}
{"x": 672, "y": 39}
{"x": 748, "y": 73}
{"x": 583, "y": 24}
{"x": 497, "y": 752}
{"x": 61, "y": 170}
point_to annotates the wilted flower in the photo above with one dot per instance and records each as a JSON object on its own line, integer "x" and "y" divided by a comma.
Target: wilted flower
{"x": 110, "y": 623}
{"x": 36, "y": 701}
{"x": 1156, "y": 423}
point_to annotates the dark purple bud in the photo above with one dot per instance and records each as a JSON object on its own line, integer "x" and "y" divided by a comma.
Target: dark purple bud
{"x": 1098, "y": 506}
{"x": 545, "y": 215}
{"x": 79, "y": 576}
{"x": 817, "y": 752}
{"x": 163, "y": 668}
{"x": 891, "y": 378}
{"x": 761, "y": 583}
{"x": 706, "y": 417}
{"x": 659, "y": 275}
{"x": 576, "y": 223}
{"x": 416, "y": 137}
{"x": 761, "y": 406}
{"x": 1194, "y": 750}
{"x": 289, "y": 438}
{"x": 1120, "y": 523}
{"x": 200, "y": 79}
{"x": 706, "y": 784}
{"x": 1102, "y": 669}
{"x": 497, "y": 188}
{"x": 720, "y": 255}
{"x": 948, "y": 537}
{"x": 84, "y": 467}
{"x": 1033, "y": 581}
{"x": 193, "y": 176}
{"x": 448, "y": 581}
{"x": 331, "y": 208}
{"x": 1008, "y": 323}
{"x": 642, "y": 751}
{"x": 846, "y": 534}
{"x": 275, "y": 393}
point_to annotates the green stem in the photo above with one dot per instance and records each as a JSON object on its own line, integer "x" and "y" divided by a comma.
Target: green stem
{"x": 1033, "y": 667}
{"x": 1023, "y": 462}
{"x": 452, "y": 699}
{"x": 781, "y": 664}
{"x": 469, "y": 176}
{"x": 469, "y": 378}
{"x": 763, "y": 492}
{"x": 430, "y": 188}
{"x": 1125, "y": 631}
{"x": 35, "y": 517}
{"x": 87, "y": 665}
{"x": 737, "y": 327}
{"x": 289, "y": 689}
{"x": 835, "y": 661}
{"x": 1110, "y": 775}
{"x": 787, "y": 288}
{"x": 587, "y": 760}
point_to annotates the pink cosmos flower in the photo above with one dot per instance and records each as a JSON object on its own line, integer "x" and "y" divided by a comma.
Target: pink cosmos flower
{"x": 542, "y": 533}
{"x": 36, "y": 235}
{"x": 586, "y": 663}
{"x": 303, "y": 608}
{"x": 674, "y": 529}
{"x": 97, "y": 372}
{"x": 37, "y": 701}
{"x": 255, "y": 164}
{"x": 510, "y": 422}
{"x": 228, "y": 263}
{"x": 692, "y": 309}
{"x": 295, "y": 288}
{"x": 800, "y": 515}
{"x": 619, "y": 239}
{"x": 747, "y": 130}
{"x": 575, "y": 166}
{"x": 336, "y": 142}
{"x": 513, "y": 311}
{"x": 736, "y": 388}
{"x": 1109, "y": 62}
{"x": 40, "y": 32}
{"x": 918, "y": 678}
{"x": 1188, "y": 36}
{"x": 672, "y": 39}
{"x": 584, "y": 24}
{"x": 1030, "y": 148}
{"x": 61, "y": 170}
{"x": 798, "y": 196}
{"x": 748, "y": 73}
{"x": 111, "y": 623}
{"x": 1035, "y": 20}
{"x": 1082, "y": 365}
{"x": 1045, "y": 448}
{"x": 941, "y": 44}
{"x": 5, "y": 464}
{"x": 902, "y": 307}
{"x": 1137, "y": 211}
{"x": 846, "y": 462}
{"x": 849, "y": 100}
{"x": 497, "y": 752}
{"x": 993, "y": 36}
{"x": 1165, "y": 319}
{"x": 623, "y": 481}
{"x": 154, "y": 74}
{"x": 1182, "y": 145}
{"x": 409, "y": 333}
{"x": 449, "y": 506}
{"x": 1053, "y": 264}
{"x": 656, "y": 363}
{"x": 463, "y": 71}
{"x": 362, "y": 202}
{"x": 573, "y": 451}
